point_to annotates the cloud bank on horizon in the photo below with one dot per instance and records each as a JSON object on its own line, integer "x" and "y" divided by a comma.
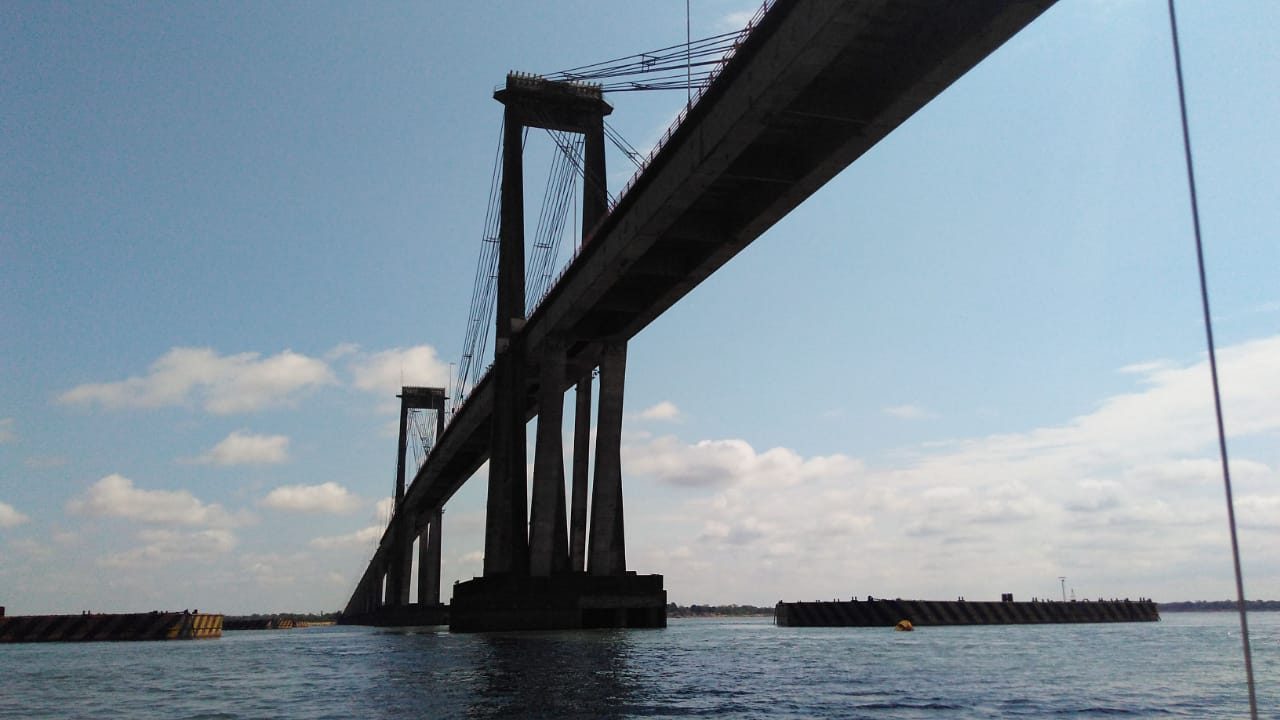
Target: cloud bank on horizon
{"x": 1125, "y": 500}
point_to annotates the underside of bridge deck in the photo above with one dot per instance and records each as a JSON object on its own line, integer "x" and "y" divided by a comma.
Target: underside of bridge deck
{"x": 814, "y": 86}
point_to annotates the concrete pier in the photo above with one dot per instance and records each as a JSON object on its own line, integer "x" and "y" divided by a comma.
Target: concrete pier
{"x": 548, "y": 528}
{"x": 429, "y": 560}
{"x": 922, "y": 613}
{"x": 562, "y": 602}
{"x": 607, "y": 554}
{"x": 581, "y": 475}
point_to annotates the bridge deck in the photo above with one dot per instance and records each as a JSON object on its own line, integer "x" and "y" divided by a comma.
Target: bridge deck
{"x": 813, "y": 87}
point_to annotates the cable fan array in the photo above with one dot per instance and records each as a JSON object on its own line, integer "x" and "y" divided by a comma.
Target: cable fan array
{"x": 483, "y": 288}
{"x": 553, "y": 218}
{"x": 669, "y": 68}
{"x": 683, "y": 66}
{"x": 557, "y": 198}
{"x": 423, "y": 429}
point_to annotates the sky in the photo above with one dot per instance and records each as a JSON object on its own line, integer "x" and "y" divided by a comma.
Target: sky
{"x": 972, "y": 363}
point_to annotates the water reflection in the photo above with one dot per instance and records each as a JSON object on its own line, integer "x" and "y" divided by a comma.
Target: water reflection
{"x": 554, "y": 675}
{"x": 434, "y": 674}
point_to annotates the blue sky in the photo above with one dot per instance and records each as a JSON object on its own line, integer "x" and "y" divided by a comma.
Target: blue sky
{"x": 970, "y": 364}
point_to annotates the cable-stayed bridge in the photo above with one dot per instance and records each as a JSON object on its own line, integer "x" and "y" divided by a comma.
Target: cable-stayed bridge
{"x": 806, "y": 91}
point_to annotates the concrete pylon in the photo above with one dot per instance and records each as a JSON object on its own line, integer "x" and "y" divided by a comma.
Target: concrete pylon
{"x": 581, "y": 474}
{"x": 401, "y": 546}
{"x": 607, "y": 553}
{"x": 506, "y": 548}
{"x": 429, "y": 560}
{"x": 595, "y": 205}
{"x": 548, "y": 534}
{"x": 400, "y": 564}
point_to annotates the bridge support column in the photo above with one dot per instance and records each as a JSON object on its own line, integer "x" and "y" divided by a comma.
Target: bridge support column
{"x": 401, "y": 564}
{"x": 401, "y": 571}
{"x": 535, "y": 596}
{"x": 595, "y": 205}
{"x": 548, "y": 535}
{"x": 429, "y": 561}
{"x": 581, "y": 474}
{"x": 607, "y": 554}
{"x": 506, "y": 544}
{"x": 376, "y": 589}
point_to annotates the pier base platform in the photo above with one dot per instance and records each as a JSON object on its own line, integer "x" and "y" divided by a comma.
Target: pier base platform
{"x": 885, "y": 613}
{"x": 411, "y": 615}
{"x": 560, "y": 602}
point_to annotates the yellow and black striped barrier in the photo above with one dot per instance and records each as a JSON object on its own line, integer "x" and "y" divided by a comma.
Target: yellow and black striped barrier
{"x": 87, "y": 627}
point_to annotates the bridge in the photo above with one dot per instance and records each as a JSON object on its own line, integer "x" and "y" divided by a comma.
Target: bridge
{"x": 807, "y": 90}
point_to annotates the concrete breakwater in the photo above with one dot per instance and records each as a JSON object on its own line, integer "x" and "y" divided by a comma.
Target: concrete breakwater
{"x": 110, "y": 626}
{"x": 259, "y": 623}
{"x": 887, "y": 613}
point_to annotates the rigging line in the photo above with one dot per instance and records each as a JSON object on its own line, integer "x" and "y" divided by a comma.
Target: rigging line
{"x": 481, "y": 282}
{"x": 621, "y": 143}
{"x": 540, "y": 244}
{"x": 567, "y": 187}
{"x": 564, "y": 188}
{"x": 542, "y": 234}
{"x": 599, "y": 183}
{"x": 670, "y": 49}
{"x": 494, "y": 227}
{"x": 672, "y": 65}
{"x": 550, "y": 232}
{"x": 697, "y": 59}
{"x": 482, "y": 290}
{"x": 1213, "y": 366}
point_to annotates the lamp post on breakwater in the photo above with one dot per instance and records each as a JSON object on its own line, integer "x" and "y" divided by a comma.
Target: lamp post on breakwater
{"x": 1063, "y": 579}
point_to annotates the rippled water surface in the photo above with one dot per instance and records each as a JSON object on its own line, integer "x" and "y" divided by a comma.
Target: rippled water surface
{"x": 1189, "y": 665}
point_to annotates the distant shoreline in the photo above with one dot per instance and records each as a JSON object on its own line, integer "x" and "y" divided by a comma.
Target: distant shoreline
{"x": 729, "y": 611}
{"x": 1219, "y": 606}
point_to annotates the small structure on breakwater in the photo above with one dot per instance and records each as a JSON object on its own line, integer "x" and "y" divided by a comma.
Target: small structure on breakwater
{"x": 88, "y": 626}
{"x": 874, "y": 612}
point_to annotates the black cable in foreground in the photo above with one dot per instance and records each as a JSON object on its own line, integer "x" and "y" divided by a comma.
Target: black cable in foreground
{"x": 1213, "y": 369}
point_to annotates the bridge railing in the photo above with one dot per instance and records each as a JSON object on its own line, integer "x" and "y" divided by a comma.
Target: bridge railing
{"x": 684, "y": 113}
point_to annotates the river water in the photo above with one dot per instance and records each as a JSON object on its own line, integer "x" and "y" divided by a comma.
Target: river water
{"x": 1188, "y": 665}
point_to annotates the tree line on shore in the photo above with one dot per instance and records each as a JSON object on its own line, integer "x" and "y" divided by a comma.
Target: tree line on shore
{"x": 679, "y": 611}
{"x": 1218, "y": 606}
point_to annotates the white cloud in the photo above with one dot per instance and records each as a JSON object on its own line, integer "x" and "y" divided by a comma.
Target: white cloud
{"x": 241, "y": 448}
{"x": 326, "y": 497}
{"x": 1126, "y": 499}
{"x": 115, "y": 496}
{"x": 7, "y": 435}
{"x": 384, "y": 373}
{"x": 665, "y": 410}
{"x": 163, "y": 546}
{"x": 738, "y": 20}
{"x": 362, "y": 538}
{"x": 382, "y": 510}
{"x": 341, "y": 350}
{"x": 245, "y": 382}
{"x": 9, "y": 517}
{"x": 718, "y": 463}
{"x": 909, "y": 412}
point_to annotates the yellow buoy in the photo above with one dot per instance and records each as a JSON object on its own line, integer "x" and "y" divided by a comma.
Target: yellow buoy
{"x": 904, "y": 626}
